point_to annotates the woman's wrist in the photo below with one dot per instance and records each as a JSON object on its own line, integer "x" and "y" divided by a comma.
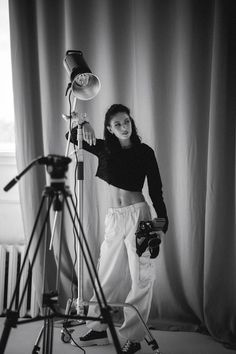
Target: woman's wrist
{"x": 83, "y": 123}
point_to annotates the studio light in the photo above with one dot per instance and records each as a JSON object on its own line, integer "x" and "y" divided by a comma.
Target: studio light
{"x": 84, "y": 84}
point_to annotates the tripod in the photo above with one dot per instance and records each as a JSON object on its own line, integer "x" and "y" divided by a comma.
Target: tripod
{"x": 58, "y": 196}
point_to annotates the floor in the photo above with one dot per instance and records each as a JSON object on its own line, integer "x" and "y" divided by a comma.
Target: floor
{"x": 22, "y": 340}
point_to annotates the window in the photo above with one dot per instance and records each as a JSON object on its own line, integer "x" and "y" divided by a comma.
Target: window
{"x": 10, "y": 232}
{"x": 7, "y": 138}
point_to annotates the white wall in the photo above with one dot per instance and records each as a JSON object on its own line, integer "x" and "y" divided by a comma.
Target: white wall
{"x": 11, "y": 226}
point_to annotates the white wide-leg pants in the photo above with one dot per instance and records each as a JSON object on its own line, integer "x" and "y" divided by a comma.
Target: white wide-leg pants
{"x": 124, "y": 276}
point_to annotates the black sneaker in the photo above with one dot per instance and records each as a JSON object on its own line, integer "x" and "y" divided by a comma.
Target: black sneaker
{"x": 93, "y": 338}
{"x": 130, "y": 347}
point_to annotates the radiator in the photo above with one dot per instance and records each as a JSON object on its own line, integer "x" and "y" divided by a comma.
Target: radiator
{"x": 11, "y": 259}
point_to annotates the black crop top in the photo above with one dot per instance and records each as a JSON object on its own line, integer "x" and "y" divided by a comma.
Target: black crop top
{"x": 127, "y": 169}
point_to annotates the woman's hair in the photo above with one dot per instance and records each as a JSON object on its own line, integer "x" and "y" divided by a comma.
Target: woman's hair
{"x": 112, "y": 142}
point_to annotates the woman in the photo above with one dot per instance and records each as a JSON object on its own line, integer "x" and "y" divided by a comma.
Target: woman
{"x": 124, "y": 163}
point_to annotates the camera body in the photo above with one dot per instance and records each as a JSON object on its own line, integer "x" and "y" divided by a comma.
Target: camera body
{"x": 147, "y": 236}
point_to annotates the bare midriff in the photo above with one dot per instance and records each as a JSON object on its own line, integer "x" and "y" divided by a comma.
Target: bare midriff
{"x": 119, "y": 198}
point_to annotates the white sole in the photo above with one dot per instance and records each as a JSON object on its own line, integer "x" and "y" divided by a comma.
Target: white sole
{"x": 90, "y": 343}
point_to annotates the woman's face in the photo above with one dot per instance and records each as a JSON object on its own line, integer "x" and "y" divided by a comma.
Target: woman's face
{"x": 120, "y": 126}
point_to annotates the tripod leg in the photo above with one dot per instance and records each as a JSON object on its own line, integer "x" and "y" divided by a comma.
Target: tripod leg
{"x": 12, "y": 316}
{"x": 10, "y": 322}
{"x": 90, "y": 264}
{"x": 104, "y": 308}
{"x": 26, "y": 254}
{"x": 37, "y": 247}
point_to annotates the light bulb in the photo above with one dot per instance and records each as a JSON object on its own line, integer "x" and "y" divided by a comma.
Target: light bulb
{"x": 82, "y": 80}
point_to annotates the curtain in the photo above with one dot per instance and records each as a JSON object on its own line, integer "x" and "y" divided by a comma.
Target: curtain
{"x": 173, "y": 64}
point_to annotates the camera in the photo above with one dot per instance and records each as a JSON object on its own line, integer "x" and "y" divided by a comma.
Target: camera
{"x": 147, "y": 236}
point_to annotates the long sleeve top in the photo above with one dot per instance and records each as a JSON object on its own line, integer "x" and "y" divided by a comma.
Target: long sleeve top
{"x": 128, "y": 168}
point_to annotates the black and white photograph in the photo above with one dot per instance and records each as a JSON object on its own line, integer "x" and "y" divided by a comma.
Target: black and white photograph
{"x": 117, "y": 176}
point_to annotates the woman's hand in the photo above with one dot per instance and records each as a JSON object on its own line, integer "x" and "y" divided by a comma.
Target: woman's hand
{"x": 160, "y": 234}
{"x": 89, "y": 134}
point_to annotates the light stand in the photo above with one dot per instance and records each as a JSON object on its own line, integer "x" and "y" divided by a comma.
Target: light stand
{"x": 84, "y": 86}
{"x": 80, "y": 179}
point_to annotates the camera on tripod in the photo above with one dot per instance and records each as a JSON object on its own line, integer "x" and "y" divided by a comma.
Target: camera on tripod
{"x": 147, "y": 236}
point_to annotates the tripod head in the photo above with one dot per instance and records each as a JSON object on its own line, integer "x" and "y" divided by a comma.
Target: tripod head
{"x": 56, "y": 166}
